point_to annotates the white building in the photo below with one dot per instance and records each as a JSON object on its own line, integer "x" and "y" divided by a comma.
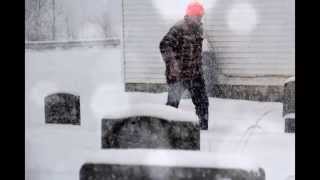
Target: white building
{"x": 252, "y": 40}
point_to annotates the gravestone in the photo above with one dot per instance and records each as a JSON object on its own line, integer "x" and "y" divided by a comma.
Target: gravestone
{"x": 137, "y": 172}
{"x": 289, "y": 105}
{"x": 290, "y": 125}
{"x": 62, "y": 108}
{"x": 150, "y": 132}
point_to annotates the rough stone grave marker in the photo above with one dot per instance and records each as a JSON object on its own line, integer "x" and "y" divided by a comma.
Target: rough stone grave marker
{"x": 122, "y": 172}
{"x": 149, "y": 132}
{"x": 151, "y": 126}
{"x": 147, "y": 164}
{"x": 289, "y": 105}
{"x": 62, "y": 108}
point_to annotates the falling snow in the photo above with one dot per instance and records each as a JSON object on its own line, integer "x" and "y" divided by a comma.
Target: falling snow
{"x": 238, "y": 127}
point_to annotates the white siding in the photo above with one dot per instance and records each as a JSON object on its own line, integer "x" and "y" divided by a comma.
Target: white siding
{"x": 268, "y": 50}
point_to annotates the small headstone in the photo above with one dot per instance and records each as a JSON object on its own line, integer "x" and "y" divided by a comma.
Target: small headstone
{"x": 289, "y": 105}
{"x": 62, "y": 108}
{"x": 150, "y": 132}
{"x": 138, "y": 172}
{"x": 289, "y": 98}
{"x": 290, "y": 123}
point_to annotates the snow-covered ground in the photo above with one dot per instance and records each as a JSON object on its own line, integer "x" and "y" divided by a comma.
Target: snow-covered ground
{"x": 254, "y": 130}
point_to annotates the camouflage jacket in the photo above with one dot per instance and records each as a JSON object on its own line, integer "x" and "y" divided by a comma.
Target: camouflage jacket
{"x": 181, "y": 50}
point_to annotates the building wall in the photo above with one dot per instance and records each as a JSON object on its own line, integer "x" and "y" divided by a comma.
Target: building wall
{"x": 58, "y": 20}
{"x": 252, "y": 41}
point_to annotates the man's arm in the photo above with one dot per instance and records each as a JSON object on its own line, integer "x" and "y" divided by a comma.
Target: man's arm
{"x": 168, "y": 48}
{"x": 169, "y": 44}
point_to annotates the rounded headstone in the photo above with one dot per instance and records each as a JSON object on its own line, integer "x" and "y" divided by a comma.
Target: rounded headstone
{"x": 149, "y": 132}
{"x": 62, "y": 108}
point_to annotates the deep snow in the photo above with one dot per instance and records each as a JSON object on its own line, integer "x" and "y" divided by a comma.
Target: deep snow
{"x": 175, "y": 158}
{"x": 153, "y": 110}
{"x": 254, "y": 130}
{"x": 293, "y": 78}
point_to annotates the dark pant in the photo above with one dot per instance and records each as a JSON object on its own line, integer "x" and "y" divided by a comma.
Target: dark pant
{"x": 199, "y": 97}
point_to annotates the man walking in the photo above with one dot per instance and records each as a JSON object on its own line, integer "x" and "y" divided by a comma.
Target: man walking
{"x": 181, "y": 50}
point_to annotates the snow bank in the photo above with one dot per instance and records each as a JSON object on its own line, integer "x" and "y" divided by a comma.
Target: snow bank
{"x": 152, "y": 110}
{"x": 290, "y": 116}
{"x": 176, "y": 158}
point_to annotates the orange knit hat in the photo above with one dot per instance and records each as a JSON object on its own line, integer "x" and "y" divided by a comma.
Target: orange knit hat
{"x": 195, "y": 9}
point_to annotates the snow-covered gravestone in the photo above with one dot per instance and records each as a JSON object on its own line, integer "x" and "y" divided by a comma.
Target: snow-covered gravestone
{"x": 289, "y": 105}
{"x": 151, "y": 126}
{"x": 167, "y": 164}
{"x": 62, "y": 108}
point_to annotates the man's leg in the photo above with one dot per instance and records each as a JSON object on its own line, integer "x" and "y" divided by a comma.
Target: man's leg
{"x": 174, "y": 94}
{"x": 200, "y": 99}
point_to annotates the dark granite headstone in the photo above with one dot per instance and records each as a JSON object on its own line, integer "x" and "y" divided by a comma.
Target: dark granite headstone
{"x": 150, "y": 132}
{"x": 290, "y": 126}
{"x": 138, "y": 172}
{"x": 62, "y": 108}
{"x": 289, "y": 98}
{"x": 289, "y": 106}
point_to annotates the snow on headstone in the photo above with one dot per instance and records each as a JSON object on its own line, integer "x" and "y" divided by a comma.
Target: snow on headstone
{"x": 62, "y": 108}
{"x": 40, "y": 90}
{"x": 289, "y": 104}
{"x": 291, "y": 177}
{"x": 153, "y": 110}
{"x": 151, "y": 126}
{"x": 291, "y": 79}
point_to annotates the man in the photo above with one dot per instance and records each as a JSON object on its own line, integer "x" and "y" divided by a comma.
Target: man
{"x": 181, "y": 50}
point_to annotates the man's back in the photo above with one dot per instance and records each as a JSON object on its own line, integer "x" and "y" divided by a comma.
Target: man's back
{"x": 185, "y": 42}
